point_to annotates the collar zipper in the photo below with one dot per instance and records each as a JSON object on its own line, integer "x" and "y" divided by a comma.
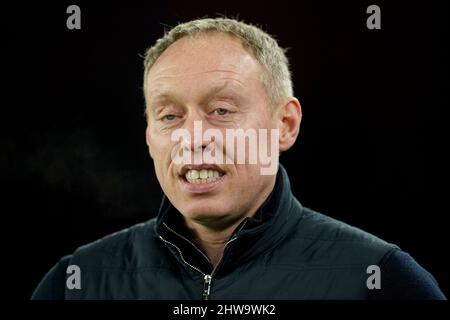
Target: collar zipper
{"x": 207, "y": 278}
{"x": 181, "y": 256}
{"x": 190, "y": 242}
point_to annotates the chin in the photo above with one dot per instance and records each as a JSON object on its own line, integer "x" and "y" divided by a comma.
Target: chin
{"x": 205, "y": 212}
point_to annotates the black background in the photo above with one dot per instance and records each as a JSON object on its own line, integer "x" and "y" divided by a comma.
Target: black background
{"x": 72, "y": 147}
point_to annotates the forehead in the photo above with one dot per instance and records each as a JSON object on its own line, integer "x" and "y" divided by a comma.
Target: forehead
{"x": 205, "y": 57}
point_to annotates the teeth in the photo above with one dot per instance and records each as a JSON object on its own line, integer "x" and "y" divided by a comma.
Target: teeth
{"x": 202, "y": 176}
{"x": 194, "y": 174}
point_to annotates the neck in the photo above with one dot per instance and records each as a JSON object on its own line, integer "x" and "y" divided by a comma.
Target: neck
{"x": 212, "y": 241}
{"x": 212, "y": 236}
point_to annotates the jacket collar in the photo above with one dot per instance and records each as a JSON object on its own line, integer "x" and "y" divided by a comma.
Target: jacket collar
{"x": 254, "y": 236}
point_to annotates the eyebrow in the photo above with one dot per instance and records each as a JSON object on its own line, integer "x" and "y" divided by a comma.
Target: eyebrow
{"x": 158, "y": 95}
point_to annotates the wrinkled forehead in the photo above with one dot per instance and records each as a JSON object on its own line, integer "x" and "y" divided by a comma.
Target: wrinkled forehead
{"x": 200, "y": 57}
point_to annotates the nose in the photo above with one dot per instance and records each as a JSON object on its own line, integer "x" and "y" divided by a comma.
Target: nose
{"x": 196, "y": 125}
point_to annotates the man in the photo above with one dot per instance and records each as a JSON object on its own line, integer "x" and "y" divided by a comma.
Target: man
{"x": 230, "y": 229}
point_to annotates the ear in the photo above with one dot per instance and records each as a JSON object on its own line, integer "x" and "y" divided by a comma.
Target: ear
{"x": 289, "y": 116}
{"x": 147, "y": 139}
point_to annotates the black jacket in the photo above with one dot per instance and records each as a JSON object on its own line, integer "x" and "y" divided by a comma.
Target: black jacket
{"x": 285, "y": 251}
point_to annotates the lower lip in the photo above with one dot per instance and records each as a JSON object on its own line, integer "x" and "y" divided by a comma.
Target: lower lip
{"x": 201, "y": 187}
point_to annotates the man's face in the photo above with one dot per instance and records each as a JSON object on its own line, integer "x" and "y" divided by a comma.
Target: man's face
{"x": 212, "y": 79}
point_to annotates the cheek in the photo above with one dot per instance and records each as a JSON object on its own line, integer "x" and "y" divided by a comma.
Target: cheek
{"x": 159, "y": 144}
{"x": 260, "y": 117}
{"x": 160, "y": 149}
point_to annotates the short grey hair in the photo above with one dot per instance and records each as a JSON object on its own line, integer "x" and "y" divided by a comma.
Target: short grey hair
{"x": 276, "y": 76}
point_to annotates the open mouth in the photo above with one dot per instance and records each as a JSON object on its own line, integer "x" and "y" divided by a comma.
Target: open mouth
{"x": 201, "y": 174}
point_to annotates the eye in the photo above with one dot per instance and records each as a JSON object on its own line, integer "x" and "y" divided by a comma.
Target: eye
{"x": 169, "y": 117}
{"x": 221, "y": 111}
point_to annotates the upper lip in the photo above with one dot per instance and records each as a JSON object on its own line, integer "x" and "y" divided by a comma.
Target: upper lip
{"x": 199, "y": 167}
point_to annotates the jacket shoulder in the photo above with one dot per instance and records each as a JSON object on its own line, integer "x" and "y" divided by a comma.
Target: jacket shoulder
{"x": 123, "y": 252}
{"x": 122, "y": 249}
{"x": 327, "y": 241}
{"x": 315, "y": 225}
{"x": 404, "y": 278}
